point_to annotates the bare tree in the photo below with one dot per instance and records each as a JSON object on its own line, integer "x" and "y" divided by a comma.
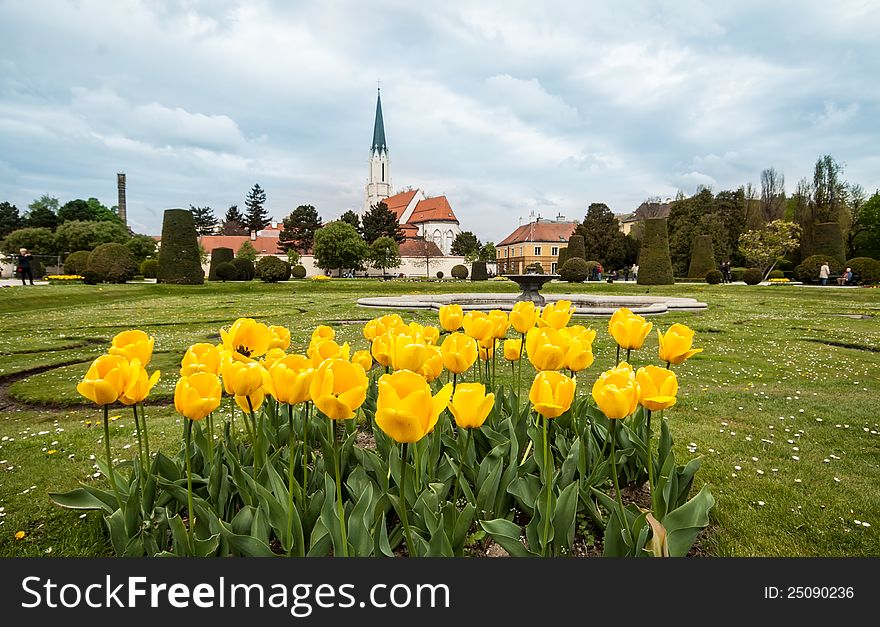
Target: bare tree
{"x": 772, "y": 195}
{"x": 428, "y": 251}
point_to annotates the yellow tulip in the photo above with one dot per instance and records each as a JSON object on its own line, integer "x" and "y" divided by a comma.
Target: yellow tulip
{"x": 556, "y": 315}
{"x": 546, "y": 348}
{"x": 380, "y": 326}
{"x": 552, "y": 393}
{"x": 133, "y": 345}
{"x": 431, "y": 335}
{"x": 470, "y": 405}
{"x": 381, "y": 349}
{"x": 616, "y": 391}
{"x": 405, "y": 409}
{"x": 675, "y": 346}
{"x": 451, "y": 317}
{"x": 629, "y": 330}
{"x": 580, "y": 350}
{"x": 433, "y": 366}
{"x": 197, "y": 395}
{"x": 478, "y": 325}
{"x": 458, "y": 352}
{"x": 321, "y": 350}
{"x": 486, "y": 349}
{"x": 243, "y": 378}
{"x": 138, "y": 383}
{"x": 339, "y": 388}
{"x": 280, "y": 337}
{"x": 105, "y": 380}
{"x": 291, "y": 377}
{"x": 657, "y": 387}
{"x": 364, "y": 359}
{"x": 500, "y": 321}
{"x": 246, "y": 338}
{"x": 524, "y": 316}
{"x": 271, "y": 356}
{"x": 201, "y": 357}
{"x": 409, "y": 352}
{"x": 322, "y": 332}
{"x": 251, "y": 402}
{"x": 513, "y": 349}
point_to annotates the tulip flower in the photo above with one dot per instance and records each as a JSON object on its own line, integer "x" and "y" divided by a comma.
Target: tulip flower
{"x": 501, "y": 323}
{"x": 271, "y": 356}
{"x": 201, "y": 357}
{"x": 291, "y": 377}
{"x": 321, "y": 350}
{"x": 250, "y": 403}
{"x": 470, "y": 405}
{"x": 364, "y": 359}
{"x": 339, "y": 388}
{"x": 478, "y": 325}
{"x": 629, "y": 330}
{"x": 486, "y": 347}
{"x": 409, "y": 352}
{"x": 524, "y": 316}
{"x": 138, "y": 383}
{"x": 657, "y": 387}
{"x": 246, "y": 339}
{"x": 405, "y": 409}
{"x": 381, "y": 349}
{"x": 380, "y": 326}
{"x": 616, "y": 391}
{"x": 105, "y": 379}
{"x": 458, "y": 352}
{"x": 197, "y": 395}
{"x": 675, "y": 346}
{"x": 580, "y": 350}
{"x": 322, "y": 332}
{"x": 451, "y": 317}
{"x": 552, "y": 393}
{"x": 433, "y": 366}
{"x": 243, "y": 378}
{"x": 556, "y": 315}
{"x": 431, "y": 335}
{"x": 280, "y": 337}
{"x": 133, "y": 345}
{"x": 513, "y": 349}
{"x": 546, "y": 348}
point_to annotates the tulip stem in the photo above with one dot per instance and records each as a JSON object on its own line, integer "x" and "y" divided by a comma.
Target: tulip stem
{"x": 255, "y": 436}
{"x": 462, "y": 452}
{"x": 337, "y": 454}
{"x": 290, "y": 460}
{"x": 146, "y": 433}
{"x": 137, "y": 428}
{"x": 417, "y": 458}
{"x": 210, "y": 422}
{"x": 650, "y": 460}
{"x": 522, "y": 343}
{"x": 410, "y": 549}
{"x": 548, "y": 480}
{"x": 305, "y": 450}
{"x": 669, "y": 365}
{"x": 454, "y": 381}
{"x": 617, "y": 361}
{"x": 628, "y": 351}
{"x": 614, "y": 474}
{"x": 189, "y": 485}
{"x": 110, "y": 472}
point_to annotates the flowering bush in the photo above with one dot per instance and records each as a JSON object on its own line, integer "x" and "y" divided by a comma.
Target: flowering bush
{"x": 454, "y": 453}
{"x": 779, "y": 281}
{"x": 320, "y": 277}
{"x": 64, "y": 278}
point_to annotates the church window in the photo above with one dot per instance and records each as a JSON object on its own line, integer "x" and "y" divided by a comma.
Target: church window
{"x": 383, "y": 172}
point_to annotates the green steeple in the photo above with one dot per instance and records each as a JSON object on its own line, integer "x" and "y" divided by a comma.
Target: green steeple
{"x": 379, "y": 129}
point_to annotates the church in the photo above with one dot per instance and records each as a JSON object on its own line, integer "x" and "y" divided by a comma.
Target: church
{"x": 420, "y": 216}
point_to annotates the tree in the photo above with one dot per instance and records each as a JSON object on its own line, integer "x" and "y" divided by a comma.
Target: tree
{"x": 338, "y": 246}
{"x": 380, "y": 221}
{"x": 763, "y": 247}
{"x": 772, "y": 195}
{"x": 204, "y": 219}
{"x": 384, "y": 253}
{"x": 603, "y": 240}
{"x": 866, "y": 228}
{"x": 180, "y": 258}
{"x": 256, "y": 217}
{"x": 73, "y": 236}
{"x": 428, "y": 252}
{"x": 298, "y": 229}
{"x": 141, "y": 246}
{"x": 102, "y": 212}
{"x": 42, "y": 213}
{"x": 466, "y": 245}
{"x": 10, "y": 220}
{"x": 77, "y": 210}
{"x": 487, "y": 253}
{"x": 246, "y": 251}
{"x": 353, "y": 219}
{"x": 233, "y": 222}
{"x": 829, "y": 190}
{"x": 38, "y": 240}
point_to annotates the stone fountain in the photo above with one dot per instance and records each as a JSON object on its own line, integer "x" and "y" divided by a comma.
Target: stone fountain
{"x": 531, "y": 284}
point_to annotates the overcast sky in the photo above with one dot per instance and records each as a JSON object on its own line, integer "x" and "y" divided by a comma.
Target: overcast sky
{"x": 505, "y": 107}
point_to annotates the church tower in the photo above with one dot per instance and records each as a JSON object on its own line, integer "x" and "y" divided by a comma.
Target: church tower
{"x": 379, "y": 182}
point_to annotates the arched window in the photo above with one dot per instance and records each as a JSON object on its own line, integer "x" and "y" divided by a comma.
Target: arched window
{"x": 450, "y": 237}
{"x": 383, "y": 172}
{"x": 438, "y": 238}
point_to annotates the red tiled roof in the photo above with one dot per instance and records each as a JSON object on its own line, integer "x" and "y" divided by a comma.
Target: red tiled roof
{"x": 415, "y": 247}
{"x": 399, "y": 202}
{"x": 434, "y": 209}
{"x": 264, "y": 245}
{"x": 540, "y": 232}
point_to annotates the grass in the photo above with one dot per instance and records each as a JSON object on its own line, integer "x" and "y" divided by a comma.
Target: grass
{"x": 781, "y": 406}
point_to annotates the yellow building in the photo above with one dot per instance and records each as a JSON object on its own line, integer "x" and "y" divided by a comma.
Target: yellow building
{"x": 536, "y": 242}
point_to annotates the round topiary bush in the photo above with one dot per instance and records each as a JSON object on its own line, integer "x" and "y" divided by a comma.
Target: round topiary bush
{"x": 225, "y": 271}
{"x": 865, "y": 269}
{"x": 655, "y": 264}
{"x": 150, "y": 268}
{"x": 702, "y": 257}
{"x": 776, "y": 274}
{"x": 179, "y": 258}
{"x": 76, "y": 263}
{"x": 714, "y": 277}
{"x": 752, "y": 276}
{"x": 218, "y": 256}
{"x": 736, "y": 274}
{"x": 808, "y": 270}
{"x": 575, "y": 270}
{"x": 112, "y": 263}
{"x": 459, "y": 272}
{"x": 271, "y": 269}
{"x": 245, "y": 267}
{"x": 439, "y": 274}
{"x": 298, "y": 272}
{"x": 479, "y": 272}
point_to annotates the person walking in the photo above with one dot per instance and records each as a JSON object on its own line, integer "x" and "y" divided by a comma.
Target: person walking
{"x": 824, "y": 273}
{"x": 635, "y": 272}
{"x": 24, "y": 266}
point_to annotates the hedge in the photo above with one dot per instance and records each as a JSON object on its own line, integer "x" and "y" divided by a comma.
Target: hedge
{"x": 828, "y": 240}
{"x": 245, "y": 267}
{"x": 298, "y": 272}
{"x": 536, "y": 267}
{"x": 655, "y": 264}
{"x": 562, "y": 258}
{"x": 776, "y": 274}
{"x": 479, "y": 272}
{"x": 702, "y": 257}
{"x": 77, "y": 263}
{"x": 179, "y": 259}
{"x": 575, "y": 270}
{"x": 150, "y": 268}
{"x": 808, "y": 270}
{"x": 218, "y": 256}
{"x": 714, "y": 277}
{"x": 865, "y": 269}
{"x": 752, "y": 276}
{"x": 225, "y": 271}
{"x": 111, "y": 263}
{"x": 459, "y": 271}
{"x": 576, "y": 248}
{"x": 271, "y": 269}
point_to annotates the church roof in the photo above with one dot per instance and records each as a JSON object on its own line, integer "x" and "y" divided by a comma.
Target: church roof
{"x": 399, "y": 202}
{"x": 378, "y": 144}
{"x": 540, "y": 231}
{"x": 415, "y": 247}
{"x": 434, "y": 209}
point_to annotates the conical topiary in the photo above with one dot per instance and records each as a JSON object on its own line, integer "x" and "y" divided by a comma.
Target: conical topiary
{"x": 179, "y": 259}
{"x": 576, "y": 247}
{"x": 828, "y": 240}
{"x": 218, "y": 256}
{"x": 702, "y": 257}
{"x": 655, "y": 264}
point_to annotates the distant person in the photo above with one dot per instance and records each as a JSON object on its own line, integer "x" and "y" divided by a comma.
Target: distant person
{"x": 626, "y": 270}
{"x": 824, "y": 273}
{"x": 845, "y": 278}
{"x": 635, "y": 272}
{"x": 24, "y": 266}
{"x": 599, "y": 272}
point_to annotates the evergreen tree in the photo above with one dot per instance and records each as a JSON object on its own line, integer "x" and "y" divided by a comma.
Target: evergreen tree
{"x": 204, "y": 219}
{"x": 256, "y": 217}
{"x": 233, "y": 222}
{"x": 42, "y": 213}
{"x": 298, "y": 229}
{"x": 10, "y": 220}
{"x": 467, "y": 245}
{"x": 603, "y": 240}
{"x": 234, "y": 214}
{"x": 380, "y": 221}
{"x": 353, "y": 219}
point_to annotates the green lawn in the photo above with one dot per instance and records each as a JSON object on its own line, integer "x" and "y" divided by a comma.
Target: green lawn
{"x": 781, "y": 405}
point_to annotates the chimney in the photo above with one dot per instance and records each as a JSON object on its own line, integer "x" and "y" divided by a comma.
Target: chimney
{"x": 120, "y": 188}
{"x": 560, "y": 217}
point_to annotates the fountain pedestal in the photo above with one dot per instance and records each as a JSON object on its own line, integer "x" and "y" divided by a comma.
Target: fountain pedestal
{"x": 531, "y": 284}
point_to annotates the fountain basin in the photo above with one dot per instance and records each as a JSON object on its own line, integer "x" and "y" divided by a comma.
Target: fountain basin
{"x": 531, "y": 284}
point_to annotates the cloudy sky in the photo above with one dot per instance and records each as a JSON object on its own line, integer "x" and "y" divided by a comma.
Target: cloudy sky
{"x": 505, "y": 107}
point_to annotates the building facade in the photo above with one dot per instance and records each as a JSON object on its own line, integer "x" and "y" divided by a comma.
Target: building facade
{"x": 536, "y": 242}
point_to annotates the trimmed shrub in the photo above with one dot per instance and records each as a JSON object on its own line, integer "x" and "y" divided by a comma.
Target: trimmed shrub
{"x": 150, "y": 268}
{"x": 714, "y": 277}
{"x": 752, "y": 276}
{"x": 77, "y": 263}
{"x": 459, "y": 272}
{"x": 592, "y": 267}
{"x": 536, "y": 267}
{"x": 562, "y": 258}
{"x": 271, "y": 269}
{"x": 776, "y": 274}
{"x": 828, "y": 240}
{"x": 479, "y": 272}
{"x": 702, "y": 257}
{"x": 245, "y": 267}
{"x": 575, "y": 270}
{"x": 225, "y": 271}
{"x": 298, "y": 272}
{"x": 576, "y": 247}
{"x": 439, "y": 274}
{"x": 112, "y": 263}
{"x": 218, "y": 256}
{"x": 808, "y": 270}
{"x": 179, "y": 258}
{"x": 655, "y": 264}
{"x": 90, "y": 277}
{"x": 736, "y": 274}
{"x": 865, "y": 269}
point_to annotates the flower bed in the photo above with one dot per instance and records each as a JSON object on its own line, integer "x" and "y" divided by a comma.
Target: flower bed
{"x": 380, "y": 452}
{"x": 64, "y": 279}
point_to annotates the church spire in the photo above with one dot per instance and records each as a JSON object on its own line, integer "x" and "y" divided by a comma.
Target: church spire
{"x": 379, "y": 181}
{"x": 379, "y": 127}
